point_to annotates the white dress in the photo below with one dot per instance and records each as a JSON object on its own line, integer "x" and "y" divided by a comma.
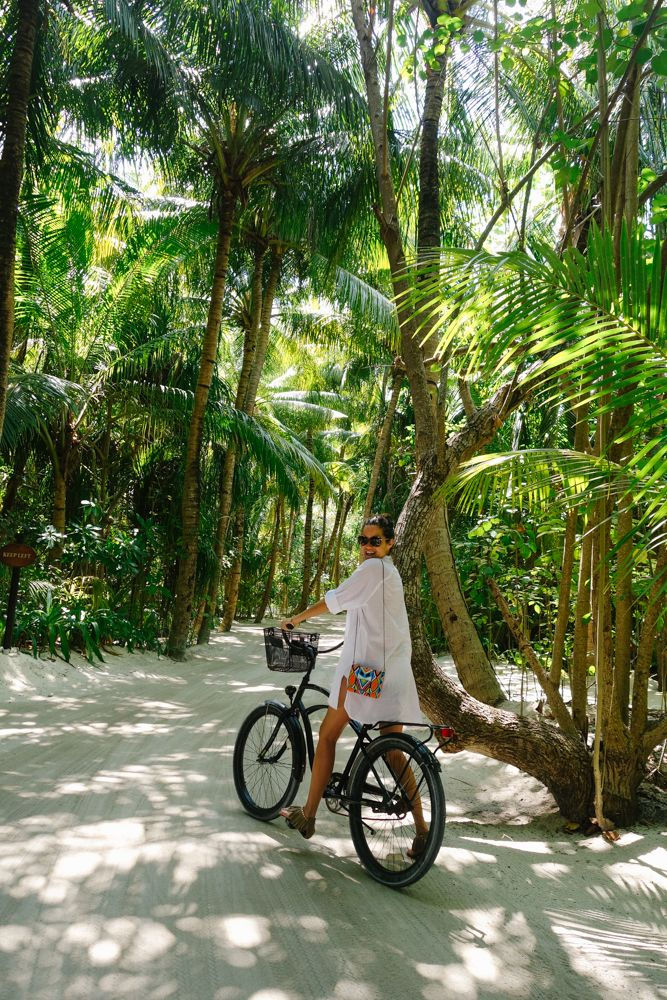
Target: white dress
{"x": 375, "y": 640}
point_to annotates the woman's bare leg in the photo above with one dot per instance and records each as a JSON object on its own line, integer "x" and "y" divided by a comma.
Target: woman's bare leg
{"x": 397, "y": 762}
{"x": 333, "y": 724}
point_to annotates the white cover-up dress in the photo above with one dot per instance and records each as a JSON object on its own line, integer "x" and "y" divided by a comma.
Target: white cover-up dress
{"x": 361, "y": 596}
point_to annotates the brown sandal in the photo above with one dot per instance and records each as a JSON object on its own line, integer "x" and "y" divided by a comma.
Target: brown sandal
{"x": 297, "y": 820}
{"x": 418, "y": 846}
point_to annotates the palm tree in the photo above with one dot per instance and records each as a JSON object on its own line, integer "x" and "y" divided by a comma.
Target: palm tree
{"x": 244, "y": 150}
{"x": 13, "y": 130}
{"x": 602, "y": 344}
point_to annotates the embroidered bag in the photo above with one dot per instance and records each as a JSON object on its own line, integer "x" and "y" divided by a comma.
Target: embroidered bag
{"x": 367, "y": 681}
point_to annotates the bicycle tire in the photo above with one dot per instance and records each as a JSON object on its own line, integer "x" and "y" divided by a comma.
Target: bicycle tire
{"x": 381, "y": 831}
{"x": 264, "y": 787}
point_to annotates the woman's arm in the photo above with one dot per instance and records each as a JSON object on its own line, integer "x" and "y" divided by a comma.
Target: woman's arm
{"x": 300, "y": 616}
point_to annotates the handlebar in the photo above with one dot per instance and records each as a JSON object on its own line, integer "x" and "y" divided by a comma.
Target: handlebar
{"x": 307, "y": 646}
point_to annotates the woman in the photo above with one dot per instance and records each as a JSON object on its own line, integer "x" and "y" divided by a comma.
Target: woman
{"x": 376, "y": 636}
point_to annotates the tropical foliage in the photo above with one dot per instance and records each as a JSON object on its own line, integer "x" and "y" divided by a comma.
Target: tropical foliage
{"x": 268, "y": 266}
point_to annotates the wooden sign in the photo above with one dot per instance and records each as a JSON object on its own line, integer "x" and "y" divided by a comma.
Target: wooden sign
{"x": 17, "y": 555}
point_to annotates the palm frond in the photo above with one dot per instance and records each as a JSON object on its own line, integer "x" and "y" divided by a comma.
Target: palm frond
{"x": 34, "y": 398}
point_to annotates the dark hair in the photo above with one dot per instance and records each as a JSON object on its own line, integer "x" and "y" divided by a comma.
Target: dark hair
{"x": 382, "y": 521}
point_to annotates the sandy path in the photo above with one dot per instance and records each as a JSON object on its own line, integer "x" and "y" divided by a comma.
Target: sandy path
{"x": 127, "y": 868}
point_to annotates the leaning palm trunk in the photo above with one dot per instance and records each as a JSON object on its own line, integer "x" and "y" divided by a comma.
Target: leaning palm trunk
{"x": 558, "y": 759}
{"x": 427, "y": 437}
{"x": 462, "y": 639}
{"x": 187, "y": 566}
{"x": 11, "y": 175}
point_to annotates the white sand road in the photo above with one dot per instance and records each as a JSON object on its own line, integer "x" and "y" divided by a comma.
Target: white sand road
{"x": 128, "y": 869}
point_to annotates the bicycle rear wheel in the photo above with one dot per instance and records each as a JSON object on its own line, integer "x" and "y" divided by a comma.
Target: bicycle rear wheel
{"x": 383, "y": 804}
{"x": 268, "y": 761}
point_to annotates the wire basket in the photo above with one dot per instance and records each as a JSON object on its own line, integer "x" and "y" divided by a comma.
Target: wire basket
{"x": 290, "y": 657}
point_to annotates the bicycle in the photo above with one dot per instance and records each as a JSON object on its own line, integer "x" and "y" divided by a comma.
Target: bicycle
{"x": 275, "y": 742}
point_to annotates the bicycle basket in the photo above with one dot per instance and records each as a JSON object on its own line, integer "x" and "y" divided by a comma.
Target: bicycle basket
{"x": 289, "y": 657}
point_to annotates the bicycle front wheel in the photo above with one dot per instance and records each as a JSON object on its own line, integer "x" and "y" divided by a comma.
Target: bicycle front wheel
{"x": 395, "y": 790}
{"x": 268, "y": 761}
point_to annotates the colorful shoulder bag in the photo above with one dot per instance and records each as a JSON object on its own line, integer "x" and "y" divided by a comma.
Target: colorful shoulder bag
{"x": 366, "y": 680}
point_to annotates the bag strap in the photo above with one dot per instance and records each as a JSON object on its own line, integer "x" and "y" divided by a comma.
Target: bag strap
{"x": 384, "y": 634}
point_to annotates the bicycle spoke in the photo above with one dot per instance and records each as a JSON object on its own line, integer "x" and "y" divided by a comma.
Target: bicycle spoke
{"x": 264, "y": 763}
{"x": 393, "y": 802}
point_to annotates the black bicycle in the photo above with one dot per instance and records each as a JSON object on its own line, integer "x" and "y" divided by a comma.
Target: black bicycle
{"x": 386, "y": 781}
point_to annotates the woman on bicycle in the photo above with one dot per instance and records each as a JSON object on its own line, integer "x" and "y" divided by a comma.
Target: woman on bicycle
{"x": 377, "y": 636}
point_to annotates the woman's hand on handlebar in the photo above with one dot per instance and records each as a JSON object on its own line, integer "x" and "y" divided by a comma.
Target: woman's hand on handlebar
{"x": 301, "y": 616}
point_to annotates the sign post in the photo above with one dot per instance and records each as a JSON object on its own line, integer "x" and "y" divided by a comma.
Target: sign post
{"x": 17, "y": 556}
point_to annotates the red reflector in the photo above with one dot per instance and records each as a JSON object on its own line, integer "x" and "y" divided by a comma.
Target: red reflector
{"x": 446, "y": 733}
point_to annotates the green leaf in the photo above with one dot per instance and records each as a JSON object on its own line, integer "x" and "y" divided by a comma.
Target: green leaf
{"x": 630, "y": 11}
{"x": 659, "y": 63}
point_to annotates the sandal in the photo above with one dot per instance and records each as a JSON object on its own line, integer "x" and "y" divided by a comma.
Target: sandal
{"x": 297, "y": 820}
{"x": 418, "y": 846}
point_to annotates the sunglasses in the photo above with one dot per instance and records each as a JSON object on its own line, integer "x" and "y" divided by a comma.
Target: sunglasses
{"x": 375, "y": 540}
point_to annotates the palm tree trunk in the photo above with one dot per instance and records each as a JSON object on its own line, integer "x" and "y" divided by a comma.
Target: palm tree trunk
{"x": 58, "y": 516}
{"x": 225, "y": 494}
{"x": 323, "y": 562}
{"x": 273, "y": 559}
{"x": 11, "y": 176}
{"x": 335, "y": 569}
{"x": 252, "y": 333}
{"x": 187, "y": 566}
{"x": 254, "y": 353}
{"x": 315, "y": 582}
{"x": 472, "y": 664}
{"x": 579, "y": 669}
{"x": 561, "y": 762}
{"x": 268, "y": 299}
{"x": 105, "y": 450}
{"x": 233, "y": 580}
{"x": 307, "y": 546}
{"x": 383, "y": 441}
{"x": 567, "y": 564}
{"x": 426, "y": 430}
{"x": 15, "y": 479}
{"x": 623, "y": 617}
{"x": 287, "y": 556}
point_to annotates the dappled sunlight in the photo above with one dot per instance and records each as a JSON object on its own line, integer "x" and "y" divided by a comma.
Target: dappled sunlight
{"x": 484, "y": 946}
{"x": 528, "y": 847}
{"x": 456, "y": 859}
{"x": 603, "y": 946}
{"x": 128, "y": 868}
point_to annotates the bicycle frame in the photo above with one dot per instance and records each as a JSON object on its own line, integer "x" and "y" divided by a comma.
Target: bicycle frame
{"x": 301, "y": 713}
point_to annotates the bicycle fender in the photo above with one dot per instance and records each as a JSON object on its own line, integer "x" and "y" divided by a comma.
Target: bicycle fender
{"x": 299, "y": 765}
